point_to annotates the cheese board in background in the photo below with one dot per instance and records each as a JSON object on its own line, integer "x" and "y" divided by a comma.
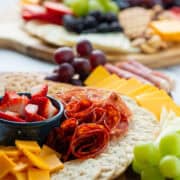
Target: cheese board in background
{"x": 19, "y": 40}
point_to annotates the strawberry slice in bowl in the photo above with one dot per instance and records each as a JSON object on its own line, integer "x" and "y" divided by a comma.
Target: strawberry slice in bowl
{"x": 20, "y": 118}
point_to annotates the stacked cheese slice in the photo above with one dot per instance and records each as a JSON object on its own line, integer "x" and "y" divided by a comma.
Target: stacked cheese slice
{"x": 146, "y": 95}
{"x": 27, "y": 161}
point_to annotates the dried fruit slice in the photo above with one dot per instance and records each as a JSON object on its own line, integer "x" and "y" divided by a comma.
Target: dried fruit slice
{"x": 39, "y": 91}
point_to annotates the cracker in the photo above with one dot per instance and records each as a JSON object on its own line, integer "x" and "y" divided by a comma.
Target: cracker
{"x": 135, "y": 21}
{"x": 119, "y": 154}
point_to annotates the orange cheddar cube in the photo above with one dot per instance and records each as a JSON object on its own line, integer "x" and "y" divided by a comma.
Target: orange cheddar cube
{"x": 32, "y": 146}
{"x": 54, "y": 163}
{"x": 168, "y": 29}
{"x": 48, "y": 151}
{"x": 36, "y": 174}
{"x": 21, "y": 176}
{"x": 6, "y": 165}
{"x": 36, "y": 160}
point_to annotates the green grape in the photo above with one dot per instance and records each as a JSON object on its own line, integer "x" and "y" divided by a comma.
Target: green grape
{"x": 79, "y": 7}
{"x": 94, "y": 5}
{"x": 151, "y": 173}
{"x": 67, "y": 2}
{"x": 170, "y": 144}
{"x": 170, "y": 166}
{"x": 147, "y": 153}
{"x": 104, "y": 4}
{"x": 112, "y": 7}
{"x": 177, "y": 178}
{"x": 137, "y": 167}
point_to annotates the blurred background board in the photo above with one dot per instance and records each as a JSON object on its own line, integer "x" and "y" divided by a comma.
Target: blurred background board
{"x": 12, "y": 36}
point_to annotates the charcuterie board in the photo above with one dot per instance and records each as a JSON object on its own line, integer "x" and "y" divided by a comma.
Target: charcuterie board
{"x": 12, "y": 36}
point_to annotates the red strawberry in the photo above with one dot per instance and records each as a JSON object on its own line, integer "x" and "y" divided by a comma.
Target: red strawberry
{"x": 10, "y": 116}
{"x": 15, "y": 104}
{"x": 39, "y": 91}
{"x": 31, "y": 113}
{"x": 35, "y": 12}
{"x": 46, "y": 108}
{"x": 57, "y": 8}
{"x": 9, "y": 95}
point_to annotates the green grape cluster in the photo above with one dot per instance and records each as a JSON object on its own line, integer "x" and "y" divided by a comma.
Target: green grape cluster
{"x": 83, "y": 7}
{"x": 158, "y": 161}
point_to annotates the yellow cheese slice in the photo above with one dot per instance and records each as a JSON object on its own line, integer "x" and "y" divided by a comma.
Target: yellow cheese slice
{"x": 36, "y": 174}
{"x": 154, "y": 94}
{"x": 167, "y": 29}
{"x": 10, "y": 151}
{"x": 32, "y": 146}
{"x": 21, "y": 176}
{"x": 96, "y": 76}
{"x": 6, "y": 165}
{"x": 128, "y": 86}
{"x": 36, "y": 160}
{"x": 20, "y": 166}
{"x": 107, "y": 81}
{"x": 145, "y": 88}
{"x": 48, "y": 151}
{"x": 53, "y": 162}
{"x": 155, "y": 105}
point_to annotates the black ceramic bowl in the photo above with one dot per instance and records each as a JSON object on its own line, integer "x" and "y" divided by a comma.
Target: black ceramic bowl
{"x": 38, "y": 131}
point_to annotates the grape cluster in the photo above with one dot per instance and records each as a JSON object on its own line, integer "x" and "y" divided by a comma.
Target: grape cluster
{"x": 158, "y": 161}
{"x": 94, "y": 22}
{"x": 73, "y": 68}
{"x": 146, "y": 3}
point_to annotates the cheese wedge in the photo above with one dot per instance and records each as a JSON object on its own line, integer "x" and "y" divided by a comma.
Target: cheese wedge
{"x": 96, "y": 76}
{"x": 128, "y": 86}
{"x": 6, "y": 165}
{"x": 36, "y": 174}
{"x": 167, "y": 29}
{"x": 32, "y": 146}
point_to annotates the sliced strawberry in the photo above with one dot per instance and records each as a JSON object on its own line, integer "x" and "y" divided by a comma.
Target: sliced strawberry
{"x": 35, "y": 12}
{"x": 15, "y": 104}
{"x": 57, "y": 8}
{"x": 10, "y": 116}
{"x": 46, "y": 108}
{"x": 39, "y": 91}
{"x": 9, "y": 95}
{"x": 31, "y": 113}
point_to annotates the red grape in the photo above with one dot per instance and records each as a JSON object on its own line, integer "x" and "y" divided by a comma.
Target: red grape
{"x": 76, "y": 82}
{"x": 97, "y": 58}
{"x": 54, "y": 77}
{"x": 65, "y": 72}
{"x": 84, "y": 48}
{"x": 63, "y": 54}
{"x": 82, "y": 66}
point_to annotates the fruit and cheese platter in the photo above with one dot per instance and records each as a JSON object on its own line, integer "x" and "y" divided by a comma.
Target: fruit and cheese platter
{"x": 91, "y": 118}
{"x": 147, "y": 31}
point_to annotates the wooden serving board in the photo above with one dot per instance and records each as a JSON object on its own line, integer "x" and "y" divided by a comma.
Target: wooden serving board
{"x": 13, "y": 37}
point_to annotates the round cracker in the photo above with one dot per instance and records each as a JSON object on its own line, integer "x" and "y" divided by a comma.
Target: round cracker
{"x": 58, "y": 36}
{"x": 117, "y": 157}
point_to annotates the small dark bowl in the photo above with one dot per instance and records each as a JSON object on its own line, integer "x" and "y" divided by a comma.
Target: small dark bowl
{"x": 37, "y": 131}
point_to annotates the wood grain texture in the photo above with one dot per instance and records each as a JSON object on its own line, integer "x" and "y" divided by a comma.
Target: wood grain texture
{"x": 13, "y": 37}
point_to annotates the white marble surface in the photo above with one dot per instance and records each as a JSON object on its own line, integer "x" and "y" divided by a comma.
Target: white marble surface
{"x": 12, "y": 61}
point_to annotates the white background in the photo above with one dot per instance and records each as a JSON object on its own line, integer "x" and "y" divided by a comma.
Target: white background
{"x": 12, "y": 61}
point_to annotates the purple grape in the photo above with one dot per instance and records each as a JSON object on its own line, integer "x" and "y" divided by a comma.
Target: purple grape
{"x": 53, "y": 77}
{"x": 84, "y": 48}
{"x": 65, "y": 72}
{"x": 63, "y": 55}
{"x": 76, "y": 82}
{"x": 82, "y": 67}
{"x": 97, "y": 58}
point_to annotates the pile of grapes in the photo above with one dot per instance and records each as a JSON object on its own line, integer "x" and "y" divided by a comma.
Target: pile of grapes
{"x": 158, "y": 161}
{"x": 94, "y": 22}
{"x": 74, "y": 68}
{"x": 83, "y": 7}
{"x": 146, "y": 3}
